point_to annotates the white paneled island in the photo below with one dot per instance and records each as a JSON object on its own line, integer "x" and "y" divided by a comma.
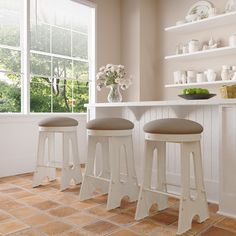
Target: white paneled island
{"x": 218, "y": 117}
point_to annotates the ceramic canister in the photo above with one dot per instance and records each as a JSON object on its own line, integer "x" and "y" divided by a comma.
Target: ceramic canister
{"x": 193, "y": 46}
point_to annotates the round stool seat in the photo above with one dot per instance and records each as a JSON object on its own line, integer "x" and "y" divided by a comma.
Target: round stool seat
{"x": 58, "y": 122}
{"x": 173, "y": 126}
{"x": 110, "y": 124}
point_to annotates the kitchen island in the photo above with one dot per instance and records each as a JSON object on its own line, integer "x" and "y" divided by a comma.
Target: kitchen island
{"x": 217, "y": 116}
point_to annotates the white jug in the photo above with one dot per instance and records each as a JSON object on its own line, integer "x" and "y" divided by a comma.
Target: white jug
{"x": 225, "y": 72}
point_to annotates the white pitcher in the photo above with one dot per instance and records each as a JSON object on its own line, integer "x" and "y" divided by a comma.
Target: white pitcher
{"x": 225, "y": 72}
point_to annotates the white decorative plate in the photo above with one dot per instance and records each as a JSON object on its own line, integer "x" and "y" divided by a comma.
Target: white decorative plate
{"x": 201, "y": 8}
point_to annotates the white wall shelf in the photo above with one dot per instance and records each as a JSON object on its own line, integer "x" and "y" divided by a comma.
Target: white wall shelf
{"x": 203, "y": 84}
{"x": 208, "y": 23}
{"x": 204, "y": 54}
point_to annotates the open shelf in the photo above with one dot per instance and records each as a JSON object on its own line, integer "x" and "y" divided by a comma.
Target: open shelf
{"x": 208, "y": 23}
{"x": 203, "y": 84}
{"x": 204, "y": 54}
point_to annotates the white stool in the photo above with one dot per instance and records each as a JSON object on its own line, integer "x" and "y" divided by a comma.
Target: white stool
{"x": 188, "y": 134}
{"x": 46, "y": 164}
{"x": 112, "y": 134}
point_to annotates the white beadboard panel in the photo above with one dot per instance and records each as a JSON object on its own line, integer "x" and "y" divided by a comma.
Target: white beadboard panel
{"x": 207, "y": 124}
{"x": 228, "y": 161}
{"x": 215, "y": 132}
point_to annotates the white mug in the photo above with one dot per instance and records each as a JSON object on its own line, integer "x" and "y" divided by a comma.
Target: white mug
{"x": 232, "y": 40}
{"x": 184, "y": 78}
{"x": 191, "y": 73}
{"x": 200, "y": 77}
{"x": 212, "y": 12}
{"x": 178, "y": 76}
{"x": 191, "y": 76}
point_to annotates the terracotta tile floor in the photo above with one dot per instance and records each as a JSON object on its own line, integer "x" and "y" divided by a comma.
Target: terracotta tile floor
{"x": 45, "y": 210}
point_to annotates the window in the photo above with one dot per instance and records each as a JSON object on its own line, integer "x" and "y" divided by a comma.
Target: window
{"x": 60, "y": 56}
{"x": 10, "y": 56}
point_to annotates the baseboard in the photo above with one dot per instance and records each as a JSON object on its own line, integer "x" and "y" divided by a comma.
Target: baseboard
{"x": 226, "y": 214}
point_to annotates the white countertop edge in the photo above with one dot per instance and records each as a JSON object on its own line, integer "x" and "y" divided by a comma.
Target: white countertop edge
{"x": 165, "y": 103}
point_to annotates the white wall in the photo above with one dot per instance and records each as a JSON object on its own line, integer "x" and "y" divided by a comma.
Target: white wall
{"x": 130, "y": 46}
{"x": 18, "y": 142}
{"x": 139, "y": 48}
{"x": 108, "y": 36}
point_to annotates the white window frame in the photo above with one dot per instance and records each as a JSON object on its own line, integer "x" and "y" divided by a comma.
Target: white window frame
{"x": 25, "y": 45}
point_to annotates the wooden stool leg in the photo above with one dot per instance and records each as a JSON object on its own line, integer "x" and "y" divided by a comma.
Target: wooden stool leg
{"x": 132, "y": 189}
{"x": 41, "y": 170}
{"x": 114, "y": 193}
{"x": 146, "y": 197}
{"x": 91, "y": 182}
{"x": 203, "y": 212}
{"x": 161, "y": 175}
{"x": 76, "y": 171}
{"x": 51, "y": 155}
{"x": 189, "y": 207}
{"x": 105, "y": 158}
{"x": 65, "y": 174}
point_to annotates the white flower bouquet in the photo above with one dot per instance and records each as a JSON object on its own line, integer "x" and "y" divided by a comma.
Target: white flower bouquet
{"x": 110, "y": 75}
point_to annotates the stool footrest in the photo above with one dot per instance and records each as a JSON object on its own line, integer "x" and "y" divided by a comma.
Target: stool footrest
{"x": 179, "y": 186}
{"x": 98, "y": 177}
{"x": 161, "y": 192}
{"x": 58, "y": 165}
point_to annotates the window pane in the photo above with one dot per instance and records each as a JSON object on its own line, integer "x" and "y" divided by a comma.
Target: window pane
{"x": 61, "y": 41}
{"x": 81, "y": 70}
{"x": 10, "y": 60}
{"x": 40, "y": 65}
{"x": 10, "y": 22}
{"x": 62, "y": 96}
{"x": 81, "y": 97}
{"x": 62, "y": 68}
{"x": 40, "y": 94}
{"x": 10, "y": 92}
{"x": 80, "y": 22}
{"x": 40, "y": 37}
{"x": 59, "y": 44}
{"x": 80, "y": 45}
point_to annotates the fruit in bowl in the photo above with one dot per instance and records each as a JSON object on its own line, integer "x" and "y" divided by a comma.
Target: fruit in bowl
{"x": 196, "y": 93}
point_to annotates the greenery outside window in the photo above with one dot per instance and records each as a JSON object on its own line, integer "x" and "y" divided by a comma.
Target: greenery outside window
{"x": 60, "y": 55}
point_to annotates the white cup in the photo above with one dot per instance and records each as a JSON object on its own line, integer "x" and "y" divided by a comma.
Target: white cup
{"x": 234, "y": 76}
{"x": 200, "y": 77}
{"x": 232, "y": 40}
{"x": 212, "y": 12}
{"x": 191, "y": 73}
{"x": 178, "y": 76}
{"x": 184, "y": 78}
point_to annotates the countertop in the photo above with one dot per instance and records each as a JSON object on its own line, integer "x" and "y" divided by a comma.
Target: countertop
{"x": 166, "y": 103}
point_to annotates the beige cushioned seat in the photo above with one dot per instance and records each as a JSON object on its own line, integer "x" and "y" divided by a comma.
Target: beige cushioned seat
{"x": 110, "y": 124}
{"x": 173, "y": 126}
{"x": 58, "y": 122}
